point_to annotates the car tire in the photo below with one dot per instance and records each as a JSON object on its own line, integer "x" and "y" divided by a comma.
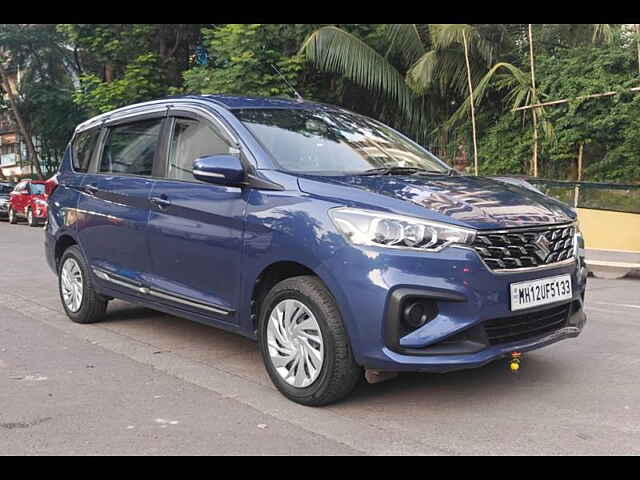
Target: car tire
{"x": 30, "y": 219}
{"x": 12, "y": 217}
{"x": 89, "y": 306}
{"x": 339, "y": 374}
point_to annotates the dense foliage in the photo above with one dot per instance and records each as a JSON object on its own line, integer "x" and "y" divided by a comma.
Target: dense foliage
{"x": 414, "y": 77}
{"x": 606, "y": 126}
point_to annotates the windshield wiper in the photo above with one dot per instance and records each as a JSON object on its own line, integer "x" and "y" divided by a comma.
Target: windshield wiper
{"x": 398, "y": 171}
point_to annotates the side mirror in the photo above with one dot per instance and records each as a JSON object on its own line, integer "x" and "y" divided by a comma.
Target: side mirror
{"x": 219, "y": 169}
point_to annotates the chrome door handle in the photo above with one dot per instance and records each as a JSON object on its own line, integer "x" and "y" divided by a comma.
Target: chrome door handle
{"x": 91, "y": 189}
{"x": 161, "y": 202}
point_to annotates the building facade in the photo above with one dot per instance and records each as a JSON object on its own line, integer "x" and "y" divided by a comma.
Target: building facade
{"x": 13, "y": 152}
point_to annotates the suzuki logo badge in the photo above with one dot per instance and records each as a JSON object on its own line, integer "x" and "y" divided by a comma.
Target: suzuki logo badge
{"x": 543, "y": 250}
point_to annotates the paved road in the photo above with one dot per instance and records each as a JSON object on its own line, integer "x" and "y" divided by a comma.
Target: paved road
{"x": 142, "y": 382}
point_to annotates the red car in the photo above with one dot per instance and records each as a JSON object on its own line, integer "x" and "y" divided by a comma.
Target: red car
{"x": 29, "y": 200}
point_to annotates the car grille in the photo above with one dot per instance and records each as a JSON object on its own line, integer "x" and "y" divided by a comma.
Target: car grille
{"x": 528, "y": 325}
{"x": 529, "y": 248}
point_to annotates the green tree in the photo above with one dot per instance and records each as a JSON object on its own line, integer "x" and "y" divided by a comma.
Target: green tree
{"x": 119, "y": 64}
{"x": 241, "y": 59}
{"x": 41, "y": 100}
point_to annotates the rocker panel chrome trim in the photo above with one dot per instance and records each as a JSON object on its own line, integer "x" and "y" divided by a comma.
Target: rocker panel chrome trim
{"x": 160, "y": 294}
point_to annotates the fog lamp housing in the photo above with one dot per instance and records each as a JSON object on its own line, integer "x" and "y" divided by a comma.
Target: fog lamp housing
{"x": 417, "y": 313}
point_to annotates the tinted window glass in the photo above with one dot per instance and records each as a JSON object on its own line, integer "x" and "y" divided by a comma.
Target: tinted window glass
{"x": 6, "y": 188}
{"x": 83, "y": 148}
{"x": 130, "y": 148}
{"x": 330, "y": 141}
{"x": 37, "y": 189}
{"x": 192, "y": 140}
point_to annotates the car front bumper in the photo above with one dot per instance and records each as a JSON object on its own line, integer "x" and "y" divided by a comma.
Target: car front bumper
{"x": 469, "y": 297}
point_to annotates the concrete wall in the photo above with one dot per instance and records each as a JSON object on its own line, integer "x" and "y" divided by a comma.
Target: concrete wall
{"x": 606, "y": 230}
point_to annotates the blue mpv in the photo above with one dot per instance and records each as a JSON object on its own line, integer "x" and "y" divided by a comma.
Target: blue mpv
{"x": 339, "y": 244}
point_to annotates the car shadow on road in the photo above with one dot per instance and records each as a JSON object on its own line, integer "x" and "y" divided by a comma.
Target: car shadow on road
{"x": 461, "y": 388}
{"x": 464, "y": 388}
{"x": 132, "y": 313}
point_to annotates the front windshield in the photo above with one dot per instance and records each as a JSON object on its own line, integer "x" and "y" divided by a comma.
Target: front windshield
{"x": 326, "y": 142}
{"x": 37, "y": 189}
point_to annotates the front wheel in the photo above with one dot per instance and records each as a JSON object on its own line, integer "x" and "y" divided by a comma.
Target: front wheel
{"x": 30, "y": 219}
{"x": 304, "y": 344}
{"x": 80, "y": 300}
{"x": 12, "y": 217}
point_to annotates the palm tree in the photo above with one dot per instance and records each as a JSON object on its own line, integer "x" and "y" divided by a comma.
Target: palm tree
{"x": 480, "y": 44}
{"x": 422, "y": 67}
{"x": 520, "y": 91}
{"x": 334, "y": 50}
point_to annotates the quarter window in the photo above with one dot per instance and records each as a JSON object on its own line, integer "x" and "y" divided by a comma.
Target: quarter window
{"x": 131, "y": 148}
{"x": 191, "y": 140}
{"x": 83, "y": 148}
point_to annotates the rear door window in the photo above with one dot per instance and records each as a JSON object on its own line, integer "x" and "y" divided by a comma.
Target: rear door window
{"x": 130, "y": 148}
{"x": 83, "y": 147}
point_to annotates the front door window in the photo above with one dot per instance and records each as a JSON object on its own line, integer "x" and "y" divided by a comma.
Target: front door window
{"x": 192, "y": 140}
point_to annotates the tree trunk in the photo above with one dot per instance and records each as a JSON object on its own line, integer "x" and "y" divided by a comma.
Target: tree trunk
{"x": 31, "y": 151}
{"x": 473, "y": 108}
{"x": 534, "y": 159}
{"x": 638, "y": 44}
{"x": 580, "y": 151}
{"x": 108, "y": 72}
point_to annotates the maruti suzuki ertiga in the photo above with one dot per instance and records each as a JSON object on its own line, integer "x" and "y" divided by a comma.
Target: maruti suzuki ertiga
{"x": 340, "y": 245}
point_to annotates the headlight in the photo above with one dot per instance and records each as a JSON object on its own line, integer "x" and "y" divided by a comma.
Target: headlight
{"x": 40, "y": 202}
{"x": 365, "y": 227}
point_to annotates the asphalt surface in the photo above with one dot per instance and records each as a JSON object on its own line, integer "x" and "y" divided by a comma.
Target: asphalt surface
{"x": 146, "y": 383}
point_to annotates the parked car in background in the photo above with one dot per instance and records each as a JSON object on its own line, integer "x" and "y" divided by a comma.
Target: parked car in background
{"x": 332, "y": 239}
{"x": 5, "y": 190}
{"x": 28, "y": 200}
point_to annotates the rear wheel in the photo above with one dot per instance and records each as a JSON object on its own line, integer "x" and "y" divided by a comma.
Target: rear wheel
{"x": 12, "y": 217}
{"x": 80, "y": 300}
{"x": 304, "y": 344}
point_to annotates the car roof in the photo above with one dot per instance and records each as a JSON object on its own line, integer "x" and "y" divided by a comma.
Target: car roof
{"x": 227, "y": 102}
{"x": 235, "y": 102}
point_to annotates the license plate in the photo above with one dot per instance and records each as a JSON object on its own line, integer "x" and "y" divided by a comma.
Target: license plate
{"x": 540, "y": 292}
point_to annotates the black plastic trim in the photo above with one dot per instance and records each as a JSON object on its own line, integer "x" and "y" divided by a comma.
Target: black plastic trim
{"x": 393, "y": 314}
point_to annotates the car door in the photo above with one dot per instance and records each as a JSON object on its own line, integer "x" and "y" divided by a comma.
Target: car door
{"x": 196, "y": 228}
{"x": 20, "y": 198}
{"x": 113, "y": 207}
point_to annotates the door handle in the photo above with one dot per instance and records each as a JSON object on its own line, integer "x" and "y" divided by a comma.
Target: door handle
{"x": 91, "y": 189}
{"x": 161, "y": 202}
